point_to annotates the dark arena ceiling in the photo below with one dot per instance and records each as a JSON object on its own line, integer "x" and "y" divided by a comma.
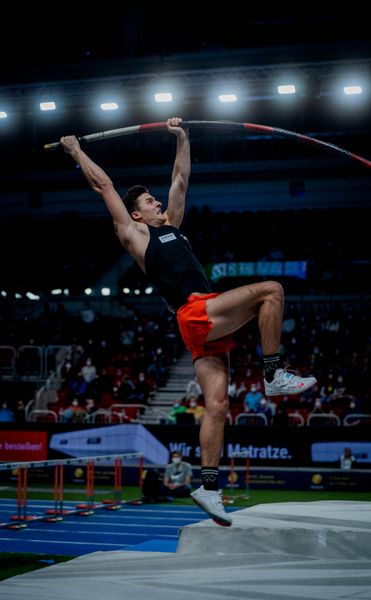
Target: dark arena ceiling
{"x": 76, "y": 55}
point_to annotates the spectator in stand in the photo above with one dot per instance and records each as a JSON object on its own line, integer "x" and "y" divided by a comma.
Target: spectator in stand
{"x": 338, "y": 390}
{"x": 328, "y": 389}
{"x": 76, "y": 353}
{"x": 272, "y": 406}
{"x": 126, "y": 392}
{"x": 232, "y": 388}
{"x": 89, "y": 371}
{"x": 139, "y": 336}
{"x": 6, "y": 414}
{"x": 20, "y": 412}
{"x": 252, "y": 398}
{"x": 347, "y": 459}
{"x": 352, "y": 406}
{"x": 79, "y": 387}
{"x": 157, "y": 367}
{"x": 235, "y": 402}
{"x": 87, "y": 314}
{"x": 196, "y": 409}
{"x": 142, "y": 388}
{"x": 241, "y": 390}
{"x": 67, "y": 373}
{"x": 102, "y": 384}
{"x": 317, "y": 409}
{"x": 178, "y": 408}
{"x": 177, "y": 477}
{"x": 193, "y": 388}
{"x": 351, "y": 411}
{"x": 61, "y": 358}
{"x": 264, "y": 409}
{"x": 74, "y": 413}
{"x": 127, "y": 336}
{"x": 90, "y": 407}
{"x": 117, "y": 379}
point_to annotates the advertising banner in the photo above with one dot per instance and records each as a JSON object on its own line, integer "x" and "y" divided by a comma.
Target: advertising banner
{"x": 18, "y": 446}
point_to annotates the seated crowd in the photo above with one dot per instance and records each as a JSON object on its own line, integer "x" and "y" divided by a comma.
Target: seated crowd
{"x": 114, "y": 363}
{"x": 124, "y": 360}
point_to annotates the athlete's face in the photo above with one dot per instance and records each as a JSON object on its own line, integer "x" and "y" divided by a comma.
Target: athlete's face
{"x": 148, "y": 210}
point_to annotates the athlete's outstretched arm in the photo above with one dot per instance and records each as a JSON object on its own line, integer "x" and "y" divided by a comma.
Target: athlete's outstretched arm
{"x": 180, "y": 175}
{"x": 99, "y": 182}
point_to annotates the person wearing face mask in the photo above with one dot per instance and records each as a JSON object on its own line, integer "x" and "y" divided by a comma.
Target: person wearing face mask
{"x": 347, "y": 459}
{"x": 142, "y": 388}
{"x": 195, "y": 408}
{"x": 178, "y": 408}
{"x": 89, "y": 371}
{"x": 177, "y": 477}
{"x": 317, "y": 408}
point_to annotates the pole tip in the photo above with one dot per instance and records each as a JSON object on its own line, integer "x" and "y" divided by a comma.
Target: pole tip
{"x": 52, "y": 146}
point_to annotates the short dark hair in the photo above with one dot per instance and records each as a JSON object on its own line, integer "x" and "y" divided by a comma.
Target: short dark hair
{"x": 132, "y": 195}
{"x": 175, "y": 452}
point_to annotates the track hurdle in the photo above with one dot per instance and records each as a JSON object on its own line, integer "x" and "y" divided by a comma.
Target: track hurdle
{"x": 115, "y": 504}
{"x": 57, "y": 513}
{"x": 21, "y": 517}
{"x": 20, "y": 520}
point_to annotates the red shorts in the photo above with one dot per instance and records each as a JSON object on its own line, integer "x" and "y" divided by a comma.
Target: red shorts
{"x": 194, "y": 326}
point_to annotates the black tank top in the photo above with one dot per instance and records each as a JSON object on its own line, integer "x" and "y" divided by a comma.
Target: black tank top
{"x": 172, "y": 267}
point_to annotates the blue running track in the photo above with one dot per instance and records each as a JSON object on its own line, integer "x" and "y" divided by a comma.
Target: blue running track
{"x": 146, "y": 527}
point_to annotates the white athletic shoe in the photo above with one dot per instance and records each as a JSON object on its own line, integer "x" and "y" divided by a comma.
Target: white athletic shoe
{"x": 212, "y": 503}
{"x": 285, "y": 383}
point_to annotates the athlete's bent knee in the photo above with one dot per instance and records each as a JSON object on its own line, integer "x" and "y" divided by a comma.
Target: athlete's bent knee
{"x": 217, "y": 409}
{"x": 276, "y": 290}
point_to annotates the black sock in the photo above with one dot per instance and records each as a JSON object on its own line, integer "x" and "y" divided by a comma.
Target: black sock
{"x": 271, "y": 362}
{"x": 209, "y": 478}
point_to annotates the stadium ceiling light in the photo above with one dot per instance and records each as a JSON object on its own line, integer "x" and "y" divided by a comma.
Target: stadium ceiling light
{"x": 227, "y": 98}
{"x": 3, "y": 114}
{"x": 105, "y": 291}
{"x": 47, "y": 106}
{"x": 286, "y": 89}
{"x": 109, "y": 106}
{"x": 351, "y": 90}
{"x": 32, "y": 296}
{"x": 88, "y": 291}
{"x": 163, "y": 97}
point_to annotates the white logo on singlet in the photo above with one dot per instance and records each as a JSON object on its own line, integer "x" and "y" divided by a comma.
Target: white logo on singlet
{"x": 167, "y": 238}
